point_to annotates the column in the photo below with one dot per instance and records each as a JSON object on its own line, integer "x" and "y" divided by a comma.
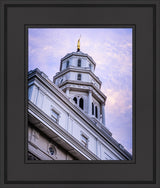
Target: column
{"x": 103, "y": 113}
{"x": 98, "y": 148}
{"x": 67, "y": 122}
{"x": 67, "y": 91}
{"x": 90, "y": 102}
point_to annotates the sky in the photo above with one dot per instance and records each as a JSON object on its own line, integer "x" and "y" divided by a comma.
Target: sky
{"x": 111, "y": 49}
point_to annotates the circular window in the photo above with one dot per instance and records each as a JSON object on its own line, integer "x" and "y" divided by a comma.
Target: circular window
{"x": 52, "y": 150}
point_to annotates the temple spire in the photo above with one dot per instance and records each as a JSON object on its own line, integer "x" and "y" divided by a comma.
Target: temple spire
{"x": 78, "y": 44}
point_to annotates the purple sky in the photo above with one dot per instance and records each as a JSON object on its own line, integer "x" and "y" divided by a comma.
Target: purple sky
{"x": 111, "y": 48}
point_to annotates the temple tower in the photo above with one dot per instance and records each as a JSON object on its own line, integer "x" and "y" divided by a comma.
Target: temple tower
{"x": 77, "y": 79}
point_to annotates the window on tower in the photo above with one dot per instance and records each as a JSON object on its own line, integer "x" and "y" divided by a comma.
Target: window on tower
{"x": 67, "y": 64}
{"x": 92, "y": 108}
{"x": 79, "y": 62}
{"x": 79, "y": 77}
{"x": 61, "y": 80}
{"x": 81, "y": 103}
{"x": 96, "y": 112}
{"x": 75, "y": 100}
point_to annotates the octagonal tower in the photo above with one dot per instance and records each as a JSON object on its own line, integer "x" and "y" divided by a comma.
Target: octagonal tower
{"x": 77, "y": 79}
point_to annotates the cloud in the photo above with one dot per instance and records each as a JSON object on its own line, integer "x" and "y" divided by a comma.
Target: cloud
{"x": 118, "y": 101}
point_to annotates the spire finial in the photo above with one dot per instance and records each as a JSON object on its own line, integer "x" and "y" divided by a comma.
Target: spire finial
{"x": 78, "y": 44}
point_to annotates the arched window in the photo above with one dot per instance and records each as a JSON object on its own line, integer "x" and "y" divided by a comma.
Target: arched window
{"x": 79, "y": 77}
{"x": 92, "y": 108}
{"x": 96, "y": 112}
{"x": 75, "y": 100}
{"x": 81, "y": 103}
{"x": 79, "y": 62}
{"x": 67, "y": 64}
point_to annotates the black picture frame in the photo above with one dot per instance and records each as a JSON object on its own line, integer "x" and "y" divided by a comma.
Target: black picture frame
{"x": 143, "y": 171}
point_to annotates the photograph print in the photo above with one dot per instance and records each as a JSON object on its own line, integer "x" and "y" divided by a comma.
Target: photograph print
{"x": 80, "y": 94}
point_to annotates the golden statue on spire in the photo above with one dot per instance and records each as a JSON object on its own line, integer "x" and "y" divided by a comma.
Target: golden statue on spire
{"x": 78, "y": 44}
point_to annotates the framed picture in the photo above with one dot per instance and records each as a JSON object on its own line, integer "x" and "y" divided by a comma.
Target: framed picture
{"x": 79, "y": 94}
{"x": 79, "y": 130}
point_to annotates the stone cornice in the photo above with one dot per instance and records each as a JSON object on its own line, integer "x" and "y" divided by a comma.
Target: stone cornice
{"x": 76, "y": 69}
{"x": 79, "y": 54}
